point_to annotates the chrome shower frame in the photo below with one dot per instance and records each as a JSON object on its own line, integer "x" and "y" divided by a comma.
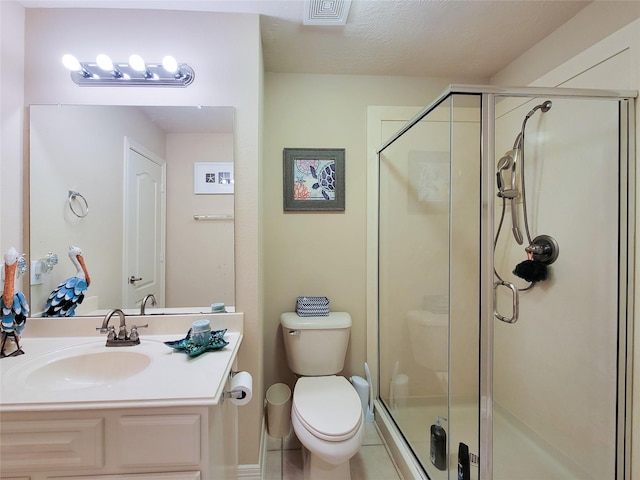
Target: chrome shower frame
{"x": 489, "y": 96}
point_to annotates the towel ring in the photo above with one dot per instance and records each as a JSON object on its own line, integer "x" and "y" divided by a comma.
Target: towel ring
{"x": 83, "y": 211}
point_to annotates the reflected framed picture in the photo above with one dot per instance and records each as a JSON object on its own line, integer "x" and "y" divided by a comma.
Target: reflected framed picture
{"x": 211, "y": 178}
{"x": 314, "y": 179}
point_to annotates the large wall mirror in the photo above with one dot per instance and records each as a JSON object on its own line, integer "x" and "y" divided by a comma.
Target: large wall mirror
{"x": 120, "y": 182}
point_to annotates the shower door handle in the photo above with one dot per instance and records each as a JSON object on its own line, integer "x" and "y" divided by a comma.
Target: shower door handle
{"x": 515, "y": 302}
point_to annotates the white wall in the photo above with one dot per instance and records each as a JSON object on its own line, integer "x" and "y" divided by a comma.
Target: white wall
{"x": 225, "y": 52}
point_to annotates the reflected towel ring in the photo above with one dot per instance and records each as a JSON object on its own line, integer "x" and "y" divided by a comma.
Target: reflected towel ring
{"x": 83, "y": 211}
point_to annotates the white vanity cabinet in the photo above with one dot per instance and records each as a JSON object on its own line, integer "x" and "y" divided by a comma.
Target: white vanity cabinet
{"x": 175, "y": 443}
{"x": 73, "y": 408}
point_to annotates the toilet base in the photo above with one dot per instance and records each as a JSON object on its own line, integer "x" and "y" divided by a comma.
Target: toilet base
{"x": 315, "y": 468}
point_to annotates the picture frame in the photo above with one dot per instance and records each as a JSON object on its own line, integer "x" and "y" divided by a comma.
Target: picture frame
{"x": 314, "y": 179}
{"x": 213, "y": 178}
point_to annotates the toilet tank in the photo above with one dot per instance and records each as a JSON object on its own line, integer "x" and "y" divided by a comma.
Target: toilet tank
{"x": 316, "y": 346}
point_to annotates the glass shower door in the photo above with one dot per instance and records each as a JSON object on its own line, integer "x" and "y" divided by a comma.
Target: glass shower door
{"x": 428, "y": 282}
{"x": 555, "y": 370}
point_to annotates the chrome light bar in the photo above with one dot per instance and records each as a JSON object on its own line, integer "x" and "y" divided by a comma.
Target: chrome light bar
{"x": 104, "y": 73}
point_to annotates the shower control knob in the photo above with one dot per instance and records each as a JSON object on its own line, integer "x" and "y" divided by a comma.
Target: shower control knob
{"x": 544, "y": 249}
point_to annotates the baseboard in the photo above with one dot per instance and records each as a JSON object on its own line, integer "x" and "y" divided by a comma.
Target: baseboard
{"x": 249, "y": 472}
{"x": 254, "y": 472}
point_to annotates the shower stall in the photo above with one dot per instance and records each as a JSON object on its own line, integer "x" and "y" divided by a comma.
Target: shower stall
{"x": 505, "y": 285}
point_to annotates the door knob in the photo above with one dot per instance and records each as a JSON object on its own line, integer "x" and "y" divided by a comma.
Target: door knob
{"x": 133, "y": 279}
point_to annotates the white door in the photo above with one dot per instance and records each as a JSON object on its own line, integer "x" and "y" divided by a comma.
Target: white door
{"x": 144, "y": 232}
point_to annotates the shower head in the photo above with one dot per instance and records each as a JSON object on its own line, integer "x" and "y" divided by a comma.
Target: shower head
{"x": 544, "y": 107}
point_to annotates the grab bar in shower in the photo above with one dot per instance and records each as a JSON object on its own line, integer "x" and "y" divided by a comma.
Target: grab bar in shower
{"x": 515, "y": 305}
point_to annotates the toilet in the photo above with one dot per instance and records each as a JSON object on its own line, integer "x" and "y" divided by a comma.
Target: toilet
{"x": 326, "y": 412}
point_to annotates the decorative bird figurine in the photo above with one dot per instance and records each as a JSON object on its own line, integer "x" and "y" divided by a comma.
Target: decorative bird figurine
{"x": 14, "y": 305}
{"x": 64, "y": 299}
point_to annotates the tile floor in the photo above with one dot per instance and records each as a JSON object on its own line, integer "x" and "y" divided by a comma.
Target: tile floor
{"x": 372, "y": 462}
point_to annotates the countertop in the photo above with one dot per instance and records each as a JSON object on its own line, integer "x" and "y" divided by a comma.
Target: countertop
{"x": 168, "y": 378}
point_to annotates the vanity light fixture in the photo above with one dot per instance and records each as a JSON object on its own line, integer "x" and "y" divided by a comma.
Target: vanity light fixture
{"x": 105, "y": 73}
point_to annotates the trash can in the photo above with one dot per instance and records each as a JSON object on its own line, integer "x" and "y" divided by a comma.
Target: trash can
{"x": 362, "y": 387}
{"x": 278, "y": 410}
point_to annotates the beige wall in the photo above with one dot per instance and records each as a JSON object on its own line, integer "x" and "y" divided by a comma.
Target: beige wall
{"x": 225, "y": 52}
{"x": 322, "y": 253}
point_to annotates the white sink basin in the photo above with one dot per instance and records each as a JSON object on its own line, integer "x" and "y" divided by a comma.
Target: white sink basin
{"x": 77, "y": 368}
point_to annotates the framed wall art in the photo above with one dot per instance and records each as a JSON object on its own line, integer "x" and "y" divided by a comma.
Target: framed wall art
{"x": 212, "y": 178}
{"x": 313, "y": 179}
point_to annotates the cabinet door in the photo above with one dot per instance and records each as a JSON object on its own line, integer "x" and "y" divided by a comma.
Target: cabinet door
{"x": 46, "y": 445}
{"x": 159, "y": 440}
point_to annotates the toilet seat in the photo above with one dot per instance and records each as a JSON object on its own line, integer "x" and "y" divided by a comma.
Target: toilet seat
{"x": 328, "y": 407}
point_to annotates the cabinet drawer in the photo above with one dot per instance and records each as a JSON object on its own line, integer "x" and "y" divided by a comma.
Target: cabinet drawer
{"x": 157, "y": 440}
{"x": 139, "y": 476}
{"x": 52, "y": 444}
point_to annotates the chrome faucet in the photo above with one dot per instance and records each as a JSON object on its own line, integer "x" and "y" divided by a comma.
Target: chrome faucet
{"x": 123, "y": 338}
{"x": 143, "y": 305}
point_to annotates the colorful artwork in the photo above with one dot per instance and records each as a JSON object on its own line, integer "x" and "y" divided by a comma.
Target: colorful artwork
{"x": 313, "y": 179}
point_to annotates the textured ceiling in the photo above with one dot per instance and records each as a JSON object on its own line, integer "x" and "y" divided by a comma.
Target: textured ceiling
{"x": 441, "y": 38}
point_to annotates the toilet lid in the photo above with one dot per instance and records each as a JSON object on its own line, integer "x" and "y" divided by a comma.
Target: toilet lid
{"x": 329, "y": 407}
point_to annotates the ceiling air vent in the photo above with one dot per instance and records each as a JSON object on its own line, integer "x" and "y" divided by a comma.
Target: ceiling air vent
{"x": 326, "y": 12}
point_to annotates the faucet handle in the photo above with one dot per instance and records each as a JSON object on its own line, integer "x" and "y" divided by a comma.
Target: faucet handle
{"x": 112, "y": 333}
{"x": 134, "y": 332}
{"x": 104, "y": 329}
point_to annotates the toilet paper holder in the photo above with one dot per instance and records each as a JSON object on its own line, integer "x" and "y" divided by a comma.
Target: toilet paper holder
{"x": 237, "y": 394}
{"x": 234, "y": 394}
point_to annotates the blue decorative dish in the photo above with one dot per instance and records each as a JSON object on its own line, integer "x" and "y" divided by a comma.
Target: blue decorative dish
{"x": 187, "y": 345}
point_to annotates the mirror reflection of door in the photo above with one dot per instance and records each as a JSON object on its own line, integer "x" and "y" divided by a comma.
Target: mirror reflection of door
{"x": 144, "y": 242}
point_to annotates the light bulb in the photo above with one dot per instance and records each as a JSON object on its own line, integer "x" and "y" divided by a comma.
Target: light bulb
{"x": 137, "y": 63}
{"x": 169, "y": 63}
{"x": 104, "y": 62}
{"x": 71, "y": 62}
